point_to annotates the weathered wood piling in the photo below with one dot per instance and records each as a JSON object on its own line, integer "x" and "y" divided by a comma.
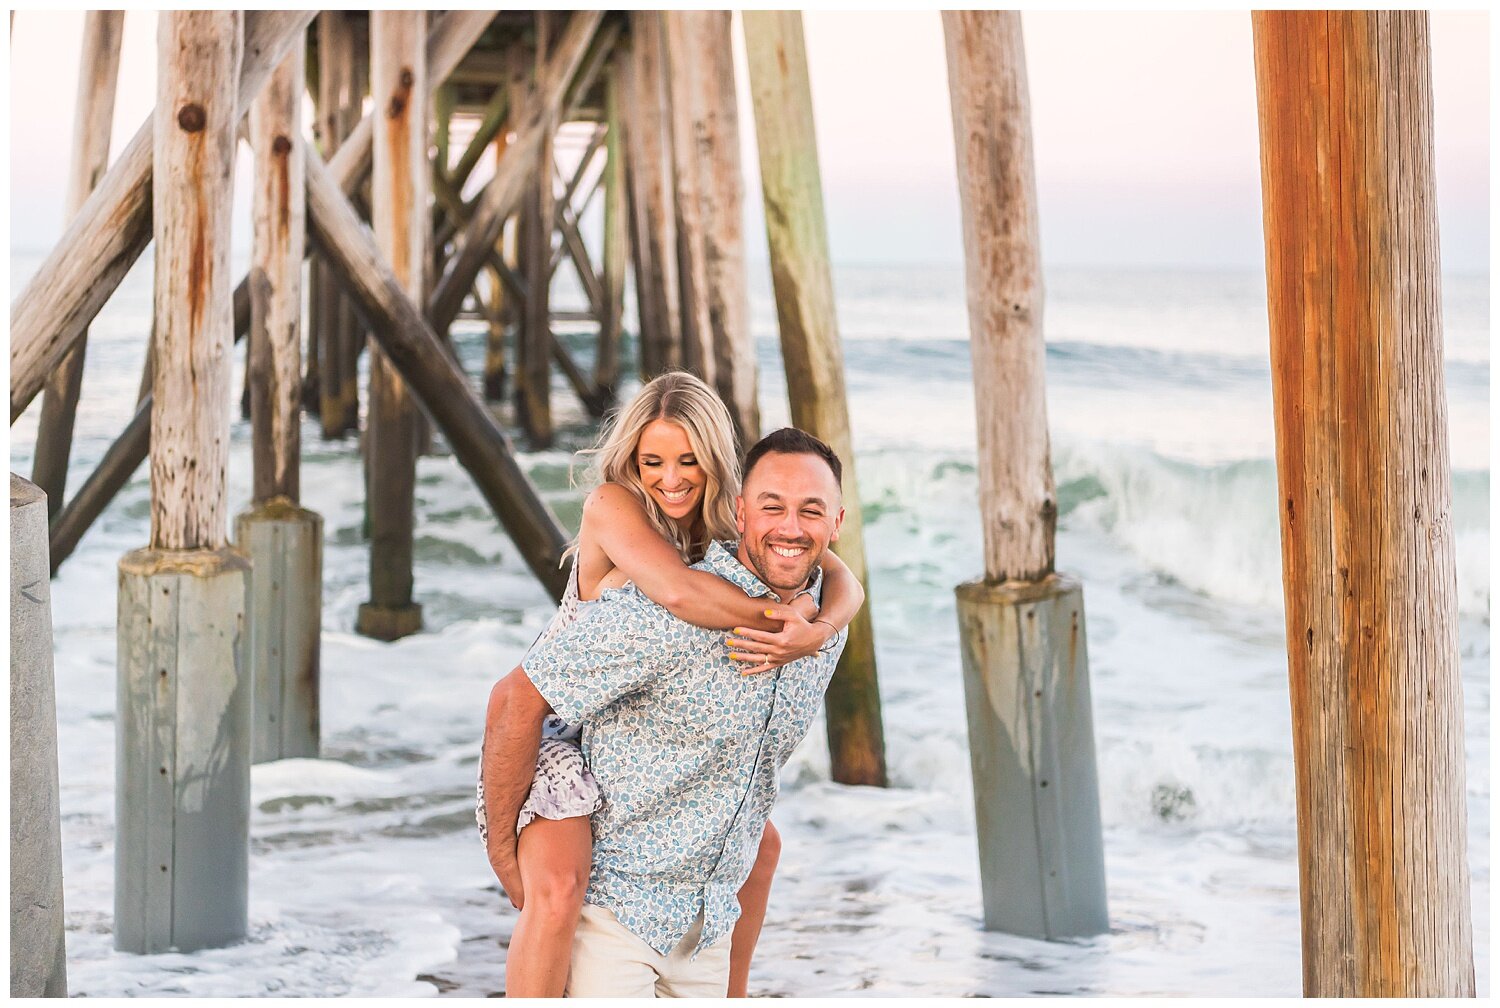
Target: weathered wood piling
{"x": 399, "y": 194}
{"x": 283, "y": 540}
{"x": 182, "y": 792}
{"x": 98, "y": 71}
{"x": 1365, "y": 491}
{"x": 1022, "y": 632}
{"x": 797, "y": 233}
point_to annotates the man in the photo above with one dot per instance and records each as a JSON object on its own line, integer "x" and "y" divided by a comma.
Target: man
{"x": 686, "y": 749}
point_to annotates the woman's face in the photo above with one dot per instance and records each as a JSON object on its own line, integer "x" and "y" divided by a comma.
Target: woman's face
{"x": 669, "y": 469}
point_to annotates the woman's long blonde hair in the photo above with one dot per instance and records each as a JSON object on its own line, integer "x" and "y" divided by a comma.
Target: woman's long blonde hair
{"x": 686, "y": 401}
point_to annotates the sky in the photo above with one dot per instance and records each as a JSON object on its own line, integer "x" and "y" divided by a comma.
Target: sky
{"x": 1144, "y": 130}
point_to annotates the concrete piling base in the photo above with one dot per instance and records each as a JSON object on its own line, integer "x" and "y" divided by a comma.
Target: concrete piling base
{"x": 182, "y": 777}
{"x": 285, "y": 546}
{"x": 37, "y": 953}
{"x": 1031, "y": 744}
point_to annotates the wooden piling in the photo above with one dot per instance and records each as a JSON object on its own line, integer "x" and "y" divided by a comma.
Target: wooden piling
{"x": 616, "y": 250}
{"x": 332, "y": 321}
{"x": 398, "y": 72}
{"x": 1023, "y": 637}
{"x": 1353, "y": 282}
{"x": 533, "y": 344}
{"x": 283, "y": 540}
{"x": 716, "y": 124}
{"x": 797, "y": 234}
{"x": 93, "y": 118}
{"x": 684, "y": 73}
{"x": 182, "y": 773}
{"x": 649, "y": 139}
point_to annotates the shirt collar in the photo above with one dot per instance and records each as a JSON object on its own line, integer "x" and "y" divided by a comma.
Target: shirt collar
{"x": 720, "y": 559}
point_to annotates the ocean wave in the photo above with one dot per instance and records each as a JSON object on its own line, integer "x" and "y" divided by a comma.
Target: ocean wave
{"x": 1212, "y": 528}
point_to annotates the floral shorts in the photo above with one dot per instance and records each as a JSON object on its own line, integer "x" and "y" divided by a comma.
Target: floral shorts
{"x": 562, "y": 788}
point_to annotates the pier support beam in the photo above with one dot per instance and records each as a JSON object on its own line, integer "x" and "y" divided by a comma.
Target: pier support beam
{"x": 534, "y": 336}
{"x": 183, "y": 718}
{"x": 1024, "y": 643}
{"x": 284, "y": 542}
{"x": 38, "y": 964}
{"x": 796, "y": 231}
{"x": 1353, "y": 285}
{"x": 616, "y": 248}
{"x": 98, "y": 71}
{"x": 332, "y": 325}
{"x": 648, "y": 137}
{"x": 398, "y": 80}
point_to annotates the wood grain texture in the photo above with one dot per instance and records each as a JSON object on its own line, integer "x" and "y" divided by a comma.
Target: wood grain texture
{"x": 1365, "y": 492}
{"x": 332, "y": 323}
{"x": 112, "y": 228}
{"x": 93, "y": 118}
{"x": 278, "y": 239}
{"x": 796, "y": 231}
{"x": 616, "y": 249}
{"x": 722, "y": 195}
{"x": 648, "y": 135}
{"x": 997, "y": 190}
{"x": 684, "y": 73}
{"x": 198, "y": 64}
{"x": 533, "y": 384}
{"x": 399, "y": 216}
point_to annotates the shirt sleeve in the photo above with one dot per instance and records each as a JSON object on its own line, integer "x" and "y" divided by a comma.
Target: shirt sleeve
{"x": 616, "y": 647}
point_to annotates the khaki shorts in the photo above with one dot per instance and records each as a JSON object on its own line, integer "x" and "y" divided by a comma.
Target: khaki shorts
{"x": 610, "y": 961}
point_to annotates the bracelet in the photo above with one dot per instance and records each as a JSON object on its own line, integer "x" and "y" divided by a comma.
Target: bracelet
{"x": 831, "y": 627}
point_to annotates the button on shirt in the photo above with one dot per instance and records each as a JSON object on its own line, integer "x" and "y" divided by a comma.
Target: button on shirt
{"x": 687, "y": 751}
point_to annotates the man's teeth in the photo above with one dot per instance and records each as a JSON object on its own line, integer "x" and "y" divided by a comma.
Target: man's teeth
{"x": 789, "y": 551}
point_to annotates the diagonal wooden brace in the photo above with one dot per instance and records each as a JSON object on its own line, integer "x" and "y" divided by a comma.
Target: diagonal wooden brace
{"x": 418, "y": 354}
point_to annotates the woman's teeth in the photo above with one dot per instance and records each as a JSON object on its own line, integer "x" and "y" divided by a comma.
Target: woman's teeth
{"x": 676, "y": 497}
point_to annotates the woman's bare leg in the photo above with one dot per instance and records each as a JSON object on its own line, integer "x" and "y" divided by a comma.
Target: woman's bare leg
{"x": 554, "y": 855}
{"x": 755, "y": 894}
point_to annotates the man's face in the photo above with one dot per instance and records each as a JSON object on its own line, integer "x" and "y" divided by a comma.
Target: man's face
{"x": 788, "y": 511}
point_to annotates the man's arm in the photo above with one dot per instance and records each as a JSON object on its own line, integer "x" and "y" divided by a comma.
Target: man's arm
{"x": 512, "y": 736}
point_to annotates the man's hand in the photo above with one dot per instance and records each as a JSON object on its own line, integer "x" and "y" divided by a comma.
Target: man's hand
{"x": 512, "y": 736}
{"x": 758, "y": 651}
{"x": 503, "y": 861}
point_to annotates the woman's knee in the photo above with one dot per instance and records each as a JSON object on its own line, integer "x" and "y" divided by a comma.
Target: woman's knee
{"x": 557, "y": 894}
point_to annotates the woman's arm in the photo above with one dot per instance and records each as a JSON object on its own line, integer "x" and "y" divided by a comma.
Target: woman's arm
{"x": 614, "y": 520}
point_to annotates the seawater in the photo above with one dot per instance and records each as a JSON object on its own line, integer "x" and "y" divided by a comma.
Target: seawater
{"x": 367, "y": 877}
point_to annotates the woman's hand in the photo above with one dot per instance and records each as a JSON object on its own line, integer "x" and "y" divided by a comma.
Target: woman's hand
{"x": 758, "y": 651}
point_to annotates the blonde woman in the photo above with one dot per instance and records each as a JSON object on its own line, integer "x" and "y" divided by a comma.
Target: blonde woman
{"x": 667, "y": 474}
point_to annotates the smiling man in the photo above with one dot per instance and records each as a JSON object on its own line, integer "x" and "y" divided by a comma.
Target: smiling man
{"x": 687, "y": 750}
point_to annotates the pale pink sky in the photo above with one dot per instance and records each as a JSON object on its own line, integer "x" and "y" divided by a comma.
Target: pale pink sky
{"x": 1145, "y": 134}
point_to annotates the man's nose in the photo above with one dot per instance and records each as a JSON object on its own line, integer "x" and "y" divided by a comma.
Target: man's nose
{"x": 790, "y": 526}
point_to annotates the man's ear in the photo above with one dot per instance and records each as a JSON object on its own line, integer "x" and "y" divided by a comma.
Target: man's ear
{"x": 739, "y": 514}
{"x": 838, "y": 523}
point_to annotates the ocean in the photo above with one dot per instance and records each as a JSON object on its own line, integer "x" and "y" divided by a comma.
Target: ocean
{"x": 366, "y": 874}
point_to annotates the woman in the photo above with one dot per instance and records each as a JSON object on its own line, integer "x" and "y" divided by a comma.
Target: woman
{"x": 667, "y": 474}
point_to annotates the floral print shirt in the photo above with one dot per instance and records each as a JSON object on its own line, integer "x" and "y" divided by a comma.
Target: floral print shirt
{"x": 687, "y": 751}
